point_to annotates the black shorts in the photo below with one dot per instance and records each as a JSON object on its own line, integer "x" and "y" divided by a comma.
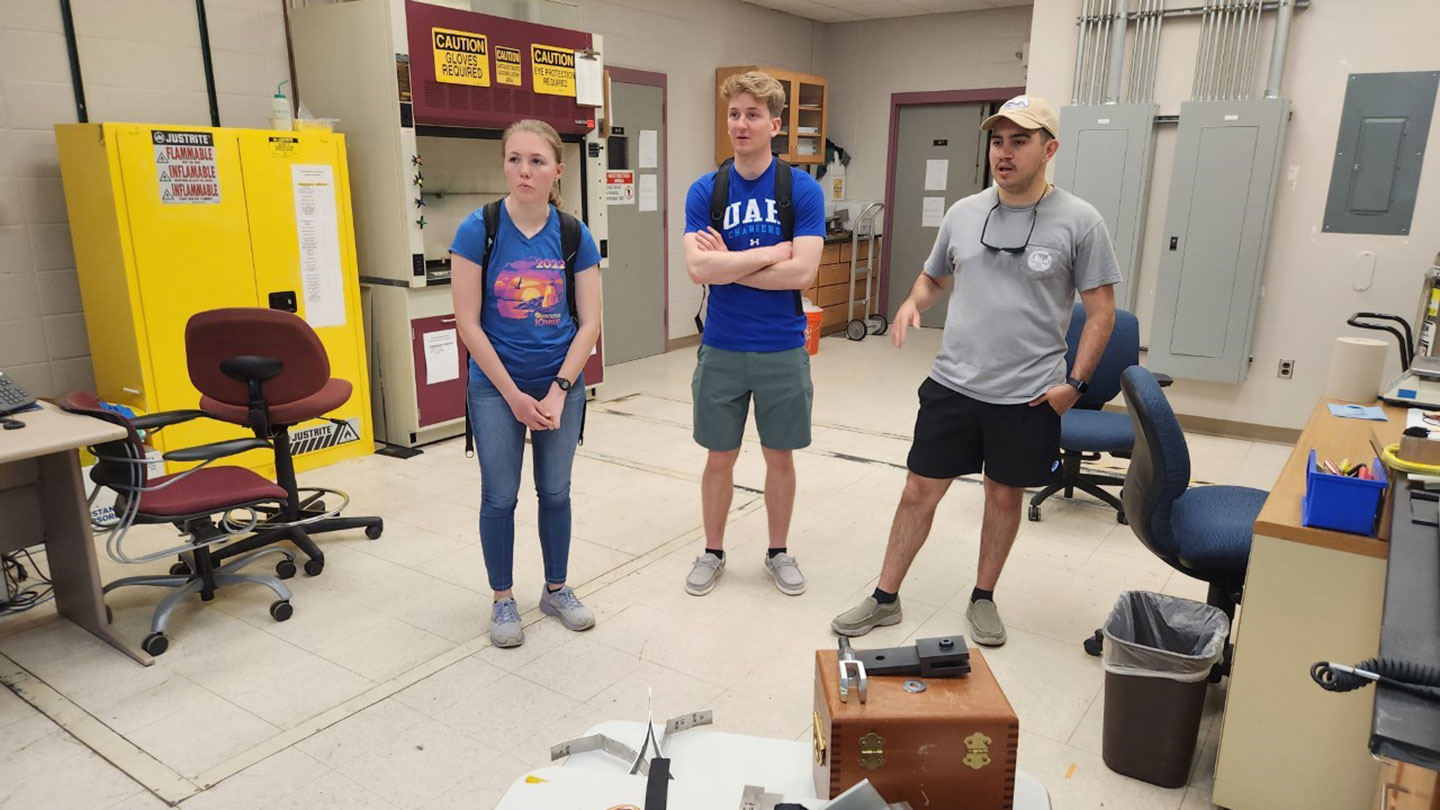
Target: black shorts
{"x": 1016, "y": 445}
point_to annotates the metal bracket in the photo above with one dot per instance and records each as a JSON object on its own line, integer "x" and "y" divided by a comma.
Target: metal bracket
{"x": 850, "y": 663}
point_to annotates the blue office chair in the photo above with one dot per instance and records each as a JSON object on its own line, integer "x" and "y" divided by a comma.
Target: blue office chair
{"x": 1086, "y": 431}
{"x": 1203, "y": 532}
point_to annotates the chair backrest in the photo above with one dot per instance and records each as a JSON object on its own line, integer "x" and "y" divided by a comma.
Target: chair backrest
{"x": 1122, "y": 352}
{"x": 218, "y": 335}
{"x": 1159, "y": 465}
{"x": 111, "y": 467}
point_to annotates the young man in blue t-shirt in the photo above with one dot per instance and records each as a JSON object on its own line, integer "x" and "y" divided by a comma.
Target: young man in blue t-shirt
{"x": 754, "y": 339}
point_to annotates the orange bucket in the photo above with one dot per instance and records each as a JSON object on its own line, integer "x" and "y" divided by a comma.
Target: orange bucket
{"x": 813, "y": 315}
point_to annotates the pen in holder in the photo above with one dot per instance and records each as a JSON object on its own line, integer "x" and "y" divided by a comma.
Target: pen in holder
{"x": 1342, "y": 502}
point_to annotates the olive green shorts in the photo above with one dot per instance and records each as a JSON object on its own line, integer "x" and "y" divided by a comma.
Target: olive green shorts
{"x": 724, "y": 383}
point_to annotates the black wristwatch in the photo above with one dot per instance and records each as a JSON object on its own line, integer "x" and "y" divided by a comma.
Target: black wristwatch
{"x": 1080, "y": 385}
{"x": 563, "y": 383}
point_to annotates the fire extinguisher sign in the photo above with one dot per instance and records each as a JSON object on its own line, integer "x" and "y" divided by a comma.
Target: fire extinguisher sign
{"x": 185, "y": 166}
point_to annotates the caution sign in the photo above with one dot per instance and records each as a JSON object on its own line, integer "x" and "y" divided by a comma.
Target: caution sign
{"x": 461, "y": 57}
{"x": 620, "y": 188}
{"x": 185, "y": 165}
{"x": 553, "y": 70}
{"x": 284, "y": 146}
{"x": 507, "y": 65}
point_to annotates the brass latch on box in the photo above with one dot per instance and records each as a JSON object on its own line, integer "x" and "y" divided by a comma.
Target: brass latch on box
{"x": 819, "y": 740}
{"x": 872, "y": 751}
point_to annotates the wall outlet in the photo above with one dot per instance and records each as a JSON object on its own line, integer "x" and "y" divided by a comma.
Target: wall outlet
{"x": 1287, "y": 369}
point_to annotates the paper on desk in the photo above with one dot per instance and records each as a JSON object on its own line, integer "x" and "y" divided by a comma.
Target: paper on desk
{"x": 1415, "y": 417}
{"x": 1371, "y": 412}
{"x": 442, "y": 356}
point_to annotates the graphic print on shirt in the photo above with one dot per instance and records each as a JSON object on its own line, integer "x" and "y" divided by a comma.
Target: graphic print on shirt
{"x": 750, "y": 218}
{"x": 532, "y": 290}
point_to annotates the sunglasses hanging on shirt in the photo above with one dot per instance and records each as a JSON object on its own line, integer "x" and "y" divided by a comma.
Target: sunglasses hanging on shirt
{"x": 1008, "y": 248}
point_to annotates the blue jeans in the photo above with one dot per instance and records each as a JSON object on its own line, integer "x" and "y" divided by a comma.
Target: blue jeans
{"x": 500, "y": 447}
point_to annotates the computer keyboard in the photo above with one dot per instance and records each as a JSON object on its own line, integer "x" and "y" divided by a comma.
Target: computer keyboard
{"x": 12, "y": 396}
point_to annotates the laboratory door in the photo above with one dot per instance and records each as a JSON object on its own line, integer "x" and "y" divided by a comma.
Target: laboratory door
{"x": 635, "y": 282}
{"x": 939, "y": 158}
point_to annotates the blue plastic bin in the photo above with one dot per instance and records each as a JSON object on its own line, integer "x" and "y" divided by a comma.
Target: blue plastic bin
{"x": 1341, "y": 502}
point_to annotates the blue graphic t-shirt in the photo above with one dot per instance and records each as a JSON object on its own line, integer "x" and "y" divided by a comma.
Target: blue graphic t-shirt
{"x": 526, "y": 313}
{"x": 741, "y": 318}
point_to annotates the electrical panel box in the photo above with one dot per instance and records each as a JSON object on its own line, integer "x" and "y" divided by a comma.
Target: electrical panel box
{"x": 1227, "y": 161}
{"x": 1105, "y": 156}
{"x": 1379, "y": 152}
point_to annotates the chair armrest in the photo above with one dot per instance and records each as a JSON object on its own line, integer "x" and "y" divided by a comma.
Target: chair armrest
{"x": 214, "y": 450}
{"x": 155, "y": 421}
{"x": 1165, "y": 380}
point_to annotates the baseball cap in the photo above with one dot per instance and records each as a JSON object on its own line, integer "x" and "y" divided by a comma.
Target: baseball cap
{"x": 1030, "y": 112}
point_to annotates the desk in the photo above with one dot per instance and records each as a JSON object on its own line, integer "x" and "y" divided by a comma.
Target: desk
{"x": 42, "y": 500}
{"x": 1310, "y": 595}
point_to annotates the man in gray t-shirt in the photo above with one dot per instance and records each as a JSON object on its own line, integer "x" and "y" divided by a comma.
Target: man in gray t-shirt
{"x": 1016, "y": 255}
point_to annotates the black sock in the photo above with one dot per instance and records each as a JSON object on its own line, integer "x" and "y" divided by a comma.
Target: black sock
{"x": 772, "y": 552}
{"x": 552, "y": 588}
{"x": 717, "y": 552}
{"x": 884, "y": 597}
{"x": 977, "y": 594}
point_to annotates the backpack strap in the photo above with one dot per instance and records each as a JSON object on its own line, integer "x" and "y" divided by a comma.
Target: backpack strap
{"x": 719, "y": 199}
{"x": 784, "y": 181}
{"x": 570, "y": 247}
{"x": 490, "y": 214}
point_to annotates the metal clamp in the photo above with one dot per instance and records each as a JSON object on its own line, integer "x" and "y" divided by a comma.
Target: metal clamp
{"x": 849, "y": 664}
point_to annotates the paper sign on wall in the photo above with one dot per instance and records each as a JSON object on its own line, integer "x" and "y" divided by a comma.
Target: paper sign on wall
{"x": 185, "y": 165}
{"x": 589, "y": 81}
{"x": 936, "y": 172}
{"x": 649, "y": 148}
{"x": 552, "y": 70}
{"x": 461, "y": 57}
{"x": 649, "y": 193}
{"x": 932, "y": 212}
{"x": 507, "y": 65}
{"x": 317, "y": 227}
{"x": 620, "y": 188}
{"x": 442, "y": 356}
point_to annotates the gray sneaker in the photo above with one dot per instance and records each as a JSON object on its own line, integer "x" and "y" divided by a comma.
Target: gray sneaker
{"x": 704, "y": 574}
{"x": 786, "y": 573}
{"x": 565, "y": 606}
{"x": 867, "y": 616}
{"x": 505, "y": 629}
{"x": 985, "y": 625}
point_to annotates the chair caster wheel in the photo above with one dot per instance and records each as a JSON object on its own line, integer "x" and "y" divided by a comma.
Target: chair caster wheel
{"x": 155, "y": 644}
{"x": 314, "y": 567}
{"x": 374, "y": 532}
{"x": 180, "y": 569}
{"x": 1034, "y": 513}
{"x": 280, "y": 610}
{"x": 1121, "y": 519}
{"x": 285, "y": 569}
{"x": 1095, "y": 643}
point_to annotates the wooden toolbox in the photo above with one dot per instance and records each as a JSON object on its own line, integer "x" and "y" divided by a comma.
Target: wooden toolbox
{"x": 952, "y": 745}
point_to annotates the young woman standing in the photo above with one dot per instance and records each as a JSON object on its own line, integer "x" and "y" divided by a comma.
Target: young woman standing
{"x": 527, "y": 353}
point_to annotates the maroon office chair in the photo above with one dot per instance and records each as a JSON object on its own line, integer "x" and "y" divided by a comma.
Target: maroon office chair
{"x": 267, "y": 370}
{"x": 202, "y": 502}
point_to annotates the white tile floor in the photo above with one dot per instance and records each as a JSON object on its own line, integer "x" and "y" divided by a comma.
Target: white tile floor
{"x": 382, "y": 691}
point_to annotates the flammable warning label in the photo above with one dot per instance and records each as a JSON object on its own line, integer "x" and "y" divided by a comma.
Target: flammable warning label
{"x": 461, "y": 57}
{"x": 185, "y": 166}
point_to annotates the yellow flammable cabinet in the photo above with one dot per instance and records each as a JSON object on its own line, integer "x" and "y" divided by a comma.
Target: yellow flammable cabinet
{"x": 169, "y": 221}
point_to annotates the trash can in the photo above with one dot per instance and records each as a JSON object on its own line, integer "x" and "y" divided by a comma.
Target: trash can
{"x": 1158, "y": 654}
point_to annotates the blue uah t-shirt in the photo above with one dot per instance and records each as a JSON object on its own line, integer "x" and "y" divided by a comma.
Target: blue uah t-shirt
{"x": 526, "y": 313}
{"x": 741, "y": 318}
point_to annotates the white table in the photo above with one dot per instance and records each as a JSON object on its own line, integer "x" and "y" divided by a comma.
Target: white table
{"x": 710, "y": 770}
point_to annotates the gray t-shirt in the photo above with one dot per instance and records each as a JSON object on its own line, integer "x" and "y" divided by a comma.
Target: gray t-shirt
{"x": 1004, "y": 339}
